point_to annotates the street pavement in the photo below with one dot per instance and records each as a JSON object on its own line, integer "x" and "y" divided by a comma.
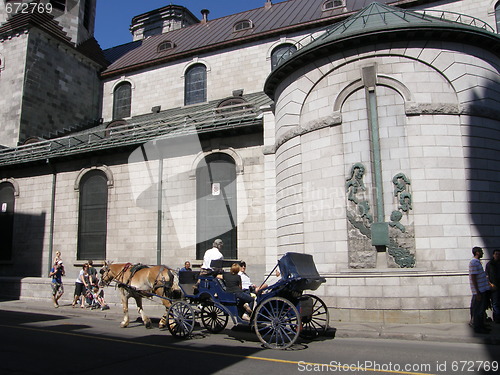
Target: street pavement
{"x": 439, "y": 332}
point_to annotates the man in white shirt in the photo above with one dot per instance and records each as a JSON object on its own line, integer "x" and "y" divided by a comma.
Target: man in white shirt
{"x": 212, "y": 254}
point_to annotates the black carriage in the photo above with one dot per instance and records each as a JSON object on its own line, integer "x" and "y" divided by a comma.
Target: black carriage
{"x": 282, "y": 311}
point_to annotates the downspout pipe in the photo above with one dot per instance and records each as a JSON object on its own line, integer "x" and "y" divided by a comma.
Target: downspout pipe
{"x": 52, "y": 215}
{"x": 160, "y": 207}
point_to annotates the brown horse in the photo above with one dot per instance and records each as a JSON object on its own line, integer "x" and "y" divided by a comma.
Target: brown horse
{"x": 139, "y": 281}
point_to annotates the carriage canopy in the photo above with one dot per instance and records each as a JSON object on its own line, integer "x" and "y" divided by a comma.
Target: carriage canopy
{"x": 300, "y": 267}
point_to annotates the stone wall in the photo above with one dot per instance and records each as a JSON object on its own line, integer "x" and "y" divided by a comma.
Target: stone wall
{"x": 435, "y": 126}
{"x": 132, "y": 222}
{"x": 164, "y": 85}
{"x": 12, "y": 71}
{"x": 61, "y": 88}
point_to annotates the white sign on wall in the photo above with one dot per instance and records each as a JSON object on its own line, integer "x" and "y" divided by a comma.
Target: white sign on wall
{"x": 4, "y": 207}
{"x": 216, "y": 188}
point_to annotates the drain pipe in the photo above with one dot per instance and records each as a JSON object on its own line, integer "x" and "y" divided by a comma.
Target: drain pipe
{"x": 160, "y": 207}
{"x": 52, "y": 215}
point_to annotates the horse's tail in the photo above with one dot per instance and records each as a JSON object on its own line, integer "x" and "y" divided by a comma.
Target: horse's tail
{"x": 174, "y": 290}
{"x": 168, "y": 280}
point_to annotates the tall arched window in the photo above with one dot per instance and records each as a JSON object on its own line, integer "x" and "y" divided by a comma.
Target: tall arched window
{"x": 281, "y": 53}
{"x": 7, "y": 202}
{"x": 195, "y": 85}
{"x": 122, "y": 100}
{"x": 216, "y": 204}
{"x": 93, "y": 212}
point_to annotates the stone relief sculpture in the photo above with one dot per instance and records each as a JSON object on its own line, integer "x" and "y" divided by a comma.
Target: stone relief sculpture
{"x": 400, "y": 244}
{"x": 401, "y": 249}
{"x": 361, "y": 253}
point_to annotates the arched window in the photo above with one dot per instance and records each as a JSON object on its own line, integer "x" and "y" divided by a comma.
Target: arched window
{"x": 122, "y": 100}
{"x": 281, "y": 53}
{"x": 92, "y": 219}
{"x": 216, "y": 215}
{"x": 497, "y": 16}
{"x": 331, "y": 4}
{"x": 233, "y": 104}
{"x": 120, "y": 125}
{"x": 195, "y": 84}
{"x": 165, "y": 46}
{"x": 7, "y": 202}
{"x": 243, "y": 25}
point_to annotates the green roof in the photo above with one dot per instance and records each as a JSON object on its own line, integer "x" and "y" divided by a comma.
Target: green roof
{"x": 381, "y": 17}
{"x": 377, "y": 23}
{"x": 172, "y": 123}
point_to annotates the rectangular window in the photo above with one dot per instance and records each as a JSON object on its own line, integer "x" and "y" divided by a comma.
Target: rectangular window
{"x": 86, "y": 14}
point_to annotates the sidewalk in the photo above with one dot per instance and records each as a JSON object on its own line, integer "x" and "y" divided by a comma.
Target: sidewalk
{"x": 444, "y": 332}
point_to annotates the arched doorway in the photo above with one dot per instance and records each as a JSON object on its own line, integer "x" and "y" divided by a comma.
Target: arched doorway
{"x": 216, "y": 204}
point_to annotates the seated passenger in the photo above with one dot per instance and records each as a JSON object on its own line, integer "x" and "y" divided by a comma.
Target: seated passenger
{"x": 233, "y": 285}
{"x": 187, "y": 266}
{"x": 246, "y": 284}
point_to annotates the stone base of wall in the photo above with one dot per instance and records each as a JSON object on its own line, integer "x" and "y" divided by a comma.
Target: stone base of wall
{"x": 36, "y": 288}
{"x": 399, "y": 316}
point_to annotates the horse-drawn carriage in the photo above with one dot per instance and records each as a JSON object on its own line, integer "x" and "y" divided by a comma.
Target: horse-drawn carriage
{"x": 282, "y": 311}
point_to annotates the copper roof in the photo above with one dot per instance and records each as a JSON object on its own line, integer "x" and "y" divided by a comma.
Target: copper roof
{"x": 286, "y": 16}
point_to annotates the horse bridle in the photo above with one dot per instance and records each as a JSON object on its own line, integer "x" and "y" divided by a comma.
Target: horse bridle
{"x": 106, "y": 269}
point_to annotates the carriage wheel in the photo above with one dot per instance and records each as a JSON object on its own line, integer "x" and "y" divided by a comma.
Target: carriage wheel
{"x": 317, "y": 323}
{"x": 180, "y": 319}
{"x": 214, "y": 318}
{"x": 277, "y": 323}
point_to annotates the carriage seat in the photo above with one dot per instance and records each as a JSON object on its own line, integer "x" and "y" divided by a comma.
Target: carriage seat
{"x": 216, "y": 288}
{"x": 188, "y": 280}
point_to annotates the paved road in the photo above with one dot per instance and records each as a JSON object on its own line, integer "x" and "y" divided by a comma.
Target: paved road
{"x": 70, "y": 341}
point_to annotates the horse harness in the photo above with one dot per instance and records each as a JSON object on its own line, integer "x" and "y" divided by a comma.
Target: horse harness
{"x": 158, "y": 283}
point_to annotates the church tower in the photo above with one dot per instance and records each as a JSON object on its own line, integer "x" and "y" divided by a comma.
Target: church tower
{"x": 77, "y": 17}
{"x": 49, "y": 65}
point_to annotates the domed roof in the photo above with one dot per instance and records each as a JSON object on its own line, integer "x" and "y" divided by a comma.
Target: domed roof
{"x": 377, "y": 23}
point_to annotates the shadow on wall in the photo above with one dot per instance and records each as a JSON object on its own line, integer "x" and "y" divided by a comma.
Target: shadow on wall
{"x": 483, "y": 159}
{"x": 27, "y": 247}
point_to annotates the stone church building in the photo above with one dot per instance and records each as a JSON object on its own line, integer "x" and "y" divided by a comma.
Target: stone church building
{"x": 365, "y": 133}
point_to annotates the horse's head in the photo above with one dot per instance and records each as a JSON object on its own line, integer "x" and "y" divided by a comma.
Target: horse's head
{"x": 107, "y": 274}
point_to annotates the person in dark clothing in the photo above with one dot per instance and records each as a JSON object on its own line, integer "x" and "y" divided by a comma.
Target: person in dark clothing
{"x": 493, "y": 274}
{"x": 233, "y": 285}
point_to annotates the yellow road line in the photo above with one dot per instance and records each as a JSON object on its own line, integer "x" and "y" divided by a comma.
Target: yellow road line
{"x": 275, "y": 360}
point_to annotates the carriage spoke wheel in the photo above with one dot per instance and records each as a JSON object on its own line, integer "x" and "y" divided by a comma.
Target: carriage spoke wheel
{"x": 214, "y": 318}
{"x": 180, "y": 319}
{"x": 317, "y": 323}
{"x": 277, "y": 323}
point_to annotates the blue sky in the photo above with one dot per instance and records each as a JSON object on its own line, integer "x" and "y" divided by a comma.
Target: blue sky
{"x": 114, "y": 16}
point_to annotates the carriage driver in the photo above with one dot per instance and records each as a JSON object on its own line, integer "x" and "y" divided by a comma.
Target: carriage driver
{"x": 211, "y": 254}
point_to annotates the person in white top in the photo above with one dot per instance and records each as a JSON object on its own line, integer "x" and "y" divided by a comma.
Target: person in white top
{"x": 246, "y": 284}
{"x": 212, "y": 254}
